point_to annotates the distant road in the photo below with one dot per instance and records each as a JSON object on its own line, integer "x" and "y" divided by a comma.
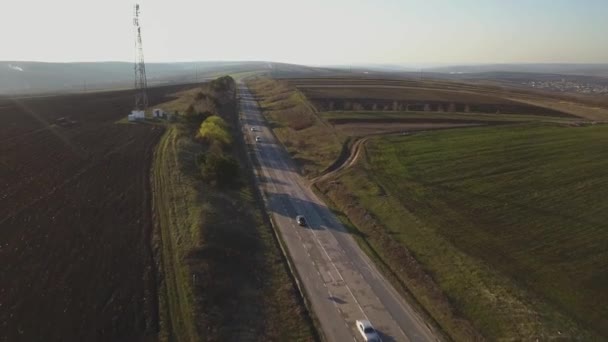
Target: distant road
{"x": 341, "y": 282}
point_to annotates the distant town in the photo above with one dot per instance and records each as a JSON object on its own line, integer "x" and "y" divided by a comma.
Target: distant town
{"x": 569, "y": 86}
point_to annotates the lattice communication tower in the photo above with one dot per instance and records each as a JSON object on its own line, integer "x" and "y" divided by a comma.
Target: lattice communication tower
{"x": 141, "y": 83}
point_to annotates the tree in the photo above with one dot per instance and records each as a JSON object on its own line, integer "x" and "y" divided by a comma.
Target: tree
{"x": 200, "y": 95}
{"x": 227, "y": 170}
{"x": 190, "y": 110}
{"x": 215, "y": 129}
{"x": 220, "y": 169}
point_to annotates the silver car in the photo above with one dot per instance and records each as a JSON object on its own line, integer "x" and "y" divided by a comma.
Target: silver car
{"x": 367, "y": 331}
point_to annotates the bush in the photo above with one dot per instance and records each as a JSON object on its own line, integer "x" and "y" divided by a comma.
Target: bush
{"x": 190, "y": 110}
{"x": 215, "y": 130}
{"x": 198, "y": 118}
{"x": 220, "y": 169}
{"x": 200, "y": 159}
{"x": 296, "y": 118}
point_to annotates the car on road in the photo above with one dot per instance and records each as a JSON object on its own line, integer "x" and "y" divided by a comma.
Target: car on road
{"x": 258, "y": 139}
{"x": 368, "y": 332}
{"x": 301, "y": 220}
{"x": 254, "y": 129}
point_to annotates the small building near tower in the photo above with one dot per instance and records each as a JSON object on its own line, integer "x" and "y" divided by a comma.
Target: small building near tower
{"x": 158, "y": 113}
{"x": 137, "y": 115}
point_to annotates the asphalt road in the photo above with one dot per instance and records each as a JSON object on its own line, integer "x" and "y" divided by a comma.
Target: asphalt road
{"x": 340, "y": 281}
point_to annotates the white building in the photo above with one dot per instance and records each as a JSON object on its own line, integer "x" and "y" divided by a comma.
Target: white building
{"x": 136, "y": 115}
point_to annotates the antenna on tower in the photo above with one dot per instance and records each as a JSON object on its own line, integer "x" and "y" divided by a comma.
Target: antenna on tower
{"x": 141, "y": 83}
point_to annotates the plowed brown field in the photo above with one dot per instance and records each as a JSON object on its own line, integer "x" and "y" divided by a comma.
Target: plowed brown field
{"x": 75, "y": 219}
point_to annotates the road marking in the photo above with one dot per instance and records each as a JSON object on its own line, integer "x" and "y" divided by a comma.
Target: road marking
{"x": 258, "y": 151}
{"x": 316, "y": 238}
{"x": 331, "y": 276}
{"x": 324, "y": 250}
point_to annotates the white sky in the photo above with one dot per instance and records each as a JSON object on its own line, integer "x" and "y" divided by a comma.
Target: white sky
{"x": 308, "y": 31}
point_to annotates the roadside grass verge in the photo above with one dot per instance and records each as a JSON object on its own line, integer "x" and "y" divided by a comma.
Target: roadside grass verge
{"x": 177, "y": 215}
{"x": 223, "y": 277}
{"x": 507, "y": 221}
{"x": 312, "y": 143}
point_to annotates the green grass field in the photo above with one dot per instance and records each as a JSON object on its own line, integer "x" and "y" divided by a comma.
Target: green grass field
{"x": 509, "y": 221}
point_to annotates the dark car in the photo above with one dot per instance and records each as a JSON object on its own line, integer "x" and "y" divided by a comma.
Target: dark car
{"x": 301, "y": 220}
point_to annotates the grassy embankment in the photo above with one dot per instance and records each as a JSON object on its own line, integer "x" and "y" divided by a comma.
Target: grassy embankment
{"x": 223, "y": 275}
{"x": 312, "y": 143}
{"x": 509, "y": 221}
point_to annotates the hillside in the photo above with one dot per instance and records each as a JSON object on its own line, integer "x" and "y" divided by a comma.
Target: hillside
{"x": 38, "y": 77}
{"x": 598, "y": 69}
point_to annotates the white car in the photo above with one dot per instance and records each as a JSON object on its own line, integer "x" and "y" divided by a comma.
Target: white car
{"x": 367, "y": 331}
{"x": 254, "y": 129}
{"x": 258, "y": 139}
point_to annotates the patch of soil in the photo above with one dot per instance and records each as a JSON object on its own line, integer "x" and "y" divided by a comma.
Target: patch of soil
{"x": 75, "y": 219}
{"x": 354, "y": 129}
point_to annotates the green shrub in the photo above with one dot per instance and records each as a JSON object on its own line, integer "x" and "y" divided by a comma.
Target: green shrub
{"x": 215, "y": 130}
{"x": 219, "y": 169}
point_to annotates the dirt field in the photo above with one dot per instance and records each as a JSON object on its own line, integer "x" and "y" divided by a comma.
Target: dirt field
{"x": 330, "y": 94}
{"x": 75, "y": 219}
{"x": 355, "y": 129}
{"x": 417, "y": 99}
{"x": 489, "y": 89}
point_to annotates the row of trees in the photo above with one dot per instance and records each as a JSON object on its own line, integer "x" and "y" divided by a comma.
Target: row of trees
{"x": 216, "y": 163}
{"x": 203, "y": 119}
{"x": 393, "y": 106}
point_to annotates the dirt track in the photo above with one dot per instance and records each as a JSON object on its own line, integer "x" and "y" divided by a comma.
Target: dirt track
{"x": 361, "y": 133}
{"x": 348, "y": 157}
{"x": 75, "y": 219}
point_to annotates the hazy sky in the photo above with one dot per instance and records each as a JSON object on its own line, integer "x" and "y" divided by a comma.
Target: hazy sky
{"x": 309, "y": 31}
